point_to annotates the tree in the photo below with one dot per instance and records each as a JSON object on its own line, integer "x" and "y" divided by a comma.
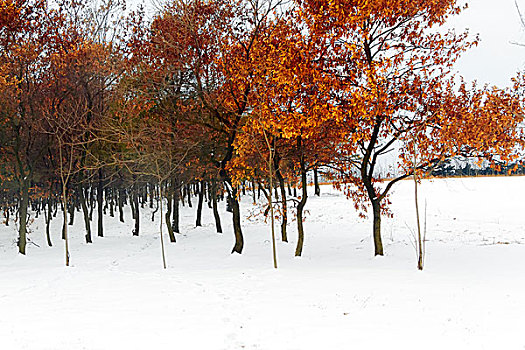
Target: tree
{"x": 395, "y": 82}
{"x": 24, "y": 33}
{"x": 293, "y": 103}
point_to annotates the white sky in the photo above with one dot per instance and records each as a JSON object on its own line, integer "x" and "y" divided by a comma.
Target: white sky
{"x": 496, "y": 59}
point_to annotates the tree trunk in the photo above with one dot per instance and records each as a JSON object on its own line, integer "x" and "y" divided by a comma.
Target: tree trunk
{"x": 48, "y": 221}
{"x": 253, "y": 191}
{"x": 121, "y": 195}
{"x": 72, "y": 211}
{"x": 198, "y": 222}
{"x": 302, "y": 203}
{"x": 161, "y": 224}
{"x": 112, "y": 202}
{"x": 316, "y": 183}
{"x": 22, "y": 216}
{"x": 100, "y": 204}
{"x": 91, "y": 203}
{"x": 169, "y": 198}
{"x": 378, "y": 244}
{"x": 271, "y": 160}
{"x": 176, "y": 197}
{"x": 300, "y": 207}
{"x": 214, "y": 206}
{"x": 239, "y": 240}
{"x": 188, "y": 192}
{"x": 136, "y": 212}
{"x": 284, "y": 216}
{"x": 86, "y": 214}
{"x": 66, "y": 238}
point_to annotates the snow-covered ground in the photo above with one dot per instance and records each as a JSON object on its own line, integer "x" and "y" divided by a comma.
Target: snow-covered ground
{"x": 116, "y": 295}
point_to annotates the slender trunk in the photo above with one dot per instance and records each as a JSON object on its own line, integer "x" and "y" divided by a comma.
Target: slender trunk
{"x": 132, "y": 204}
{"x": 121, "y": 194}
{"x": 64, "y": 211}
{"x": 420, "y": 240}
{"x": 419, "y": 236}
{"x": 188, "y": 192}
{"x": 66, "y": 239}
{"x": 302, "y": 202}
{"x": 284, "y": 216}
{"x": 378, "y": 243}
{"x": 253, "y": 192}
{"x": 169, "y": 198}
{"x": 161, "y": 224}
{"x": 316, "y": 183}
{"x": 176, "y": 197}
{"x": 72, "y": 211}
{"x": 112, "y": 202}
{"x": 270, "y": 201}
{"x": 300, "y": 207}
{"x": 91, "y": 203}
{"x": 22, "y": 216}
{"x": 47, "y": 216}
{"x": 86, "y": 214}
{"x": 214, "y": 206}
{"x": 239, "y": 240}
{"x": 198, "y": 222}
{"x": 151, "y": 195}
{"x": 136, "y": 212}
{"x": 209, "y": 195}
{"x": 100, "y": 204}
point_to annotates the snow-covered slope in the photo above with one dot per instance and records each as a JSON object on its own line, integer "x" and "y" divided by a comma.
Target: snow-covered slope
{"x": 337, "y": 296}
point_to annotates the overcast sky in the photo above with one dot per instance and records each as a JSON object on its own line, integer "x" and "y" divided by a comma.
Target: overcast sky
{"x": 496, "y": 59}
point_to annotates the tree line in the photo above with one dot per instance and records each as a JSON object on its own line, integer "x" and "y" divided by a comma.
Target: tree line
{"x": 103, "y": 107}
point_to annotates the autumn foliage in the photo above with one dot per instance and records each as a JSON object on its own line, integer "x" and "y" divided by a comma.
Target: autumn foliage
{"x": 211, "y": 95}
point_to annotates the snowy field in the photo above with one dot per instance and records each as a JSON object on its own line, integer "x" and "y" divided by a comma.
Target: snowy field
{"x": 116, "y": 295}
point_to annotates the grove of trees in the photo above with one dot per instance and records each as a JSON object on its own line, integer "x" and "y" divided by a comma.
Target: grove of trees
{"x": 102, "y": 107}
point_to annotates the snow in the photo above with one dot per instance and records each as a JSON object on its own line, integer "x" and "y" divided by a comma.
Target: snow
{"x": 336, "y": 296}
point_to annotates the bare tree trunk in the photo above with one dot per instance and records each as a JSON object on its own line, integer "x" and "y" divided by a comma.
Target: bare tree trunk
{"x": 121, "y": 195}
{"x": 198, "y": 222}
{"x": 316, "y": 183}
{"x": 176, "y": 197}
{"x": 284, "y": 216}
{"x": 161, "y": 224}
{"x": 72, "y": 210}
{"x": 420, "y": 244}
{"x": 302, "y": 202}
{"x": 47, "y": 216}
{"x": 169, "y": 198}
{"x": 66, "y": 239}
{"x": 100, "y": 204}
{"x": 136, "y": 212}
{"x": 22, "y": 216}
{"x": 87, "y": 223}
{"x": 300, "y": 207}
{"x": 214, "y": 206}
{"x": 239, "y": 240}
{"x": 378, "y": 242}
{"x": 188, "y": 192}
{"x": 253, "y": 191}
{"x": 111, "y": 202}
{"x": 270, "y": 201}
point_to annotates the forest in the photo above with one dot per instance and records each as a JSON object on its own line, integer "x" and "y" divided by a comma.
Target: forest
{"x": 104, "y": 107}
